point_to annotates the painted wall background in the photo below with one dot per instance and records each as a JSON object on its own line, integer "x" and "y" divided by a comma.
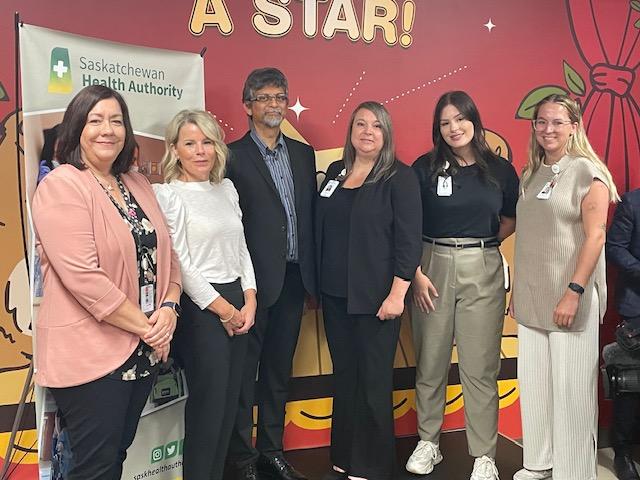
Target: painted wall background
{"x": 505, "y": 53}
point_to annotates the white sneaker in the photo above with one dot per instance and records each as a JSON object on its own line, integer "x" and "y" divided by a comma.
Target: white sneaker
{"x": 525, "y": 474}
{"x": 424, "y": 457}
{"x": 484, "y": 468}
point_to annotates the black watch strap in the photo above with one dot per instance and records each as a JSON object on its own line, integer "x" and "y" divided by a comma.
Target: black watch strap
{"x": 173, "y": 305}
{"x": 579, "y": 289}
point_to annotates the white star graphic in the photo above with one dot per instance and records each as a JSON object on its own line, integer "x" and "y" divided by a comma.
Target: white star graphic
{"x": 298, "y": 108}
{"x": 490, "y": 25}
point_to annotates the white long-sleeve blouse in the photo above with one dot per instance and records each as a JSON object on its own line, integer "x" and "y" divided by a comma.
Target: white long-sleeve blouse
{"x": 205, "y": 222}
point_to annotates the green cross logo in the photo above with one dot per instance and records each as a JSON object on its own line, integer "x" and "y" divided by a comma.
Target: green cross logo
{"x": 60, "y": 71}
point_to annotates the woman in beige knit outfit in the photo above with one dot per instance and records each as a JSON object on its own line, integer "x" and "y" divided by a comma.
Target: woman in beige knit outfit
{"x": 560, "y": 293}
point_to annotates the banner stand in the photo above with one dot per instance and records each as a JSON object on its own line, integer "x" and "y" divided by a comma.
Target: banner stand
{"x": 51, "y": 68}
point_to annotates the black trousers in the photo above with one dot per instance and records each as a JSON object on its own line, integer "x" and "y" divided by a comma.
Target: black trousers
{"x": 272, "y": 344}
{"x": 362, "y": 351}
{"x": 213, "y": 364}
{"x": 101, "y": 418}
{"x": 625, "y": 421}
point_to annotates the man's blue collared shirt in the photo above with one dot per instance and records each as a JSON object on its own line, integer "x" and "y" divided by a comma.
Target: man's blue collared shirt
{"x": 279, "y": 166}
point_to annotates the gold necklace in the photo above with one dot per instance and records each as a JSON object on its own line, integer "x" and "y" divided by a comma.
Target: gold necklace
{"x": 108, "y": 185}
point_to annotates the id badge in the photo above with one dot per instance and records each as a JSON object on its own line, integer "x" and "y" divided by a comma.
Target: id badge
{"x": 545, "y": 193}
{"x": 444, "y": 186}
{"x": 329, "y": 188}
{"x": 146, "y": 298}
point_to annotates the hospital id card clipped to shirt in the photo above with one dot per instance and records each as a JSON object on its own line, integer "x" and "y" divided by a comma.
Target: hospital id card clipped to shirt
{"x": 332, "y": 185}
{"x": 444, "y": 186}
{"x": 147, "y": 299}
{"x": 329, "y": 188}
{"x": 547, "y": 190}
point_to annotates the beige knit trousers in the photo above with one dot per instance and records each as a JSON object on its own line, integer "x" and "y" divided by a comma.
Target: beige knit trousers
{"x": 558, "y": 374}
{"x": 470, "y": 308}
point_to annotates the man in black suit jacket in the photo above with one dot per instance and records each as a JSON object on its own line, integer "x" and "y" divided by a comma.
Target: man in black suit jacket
{"x": 276, "y": 180}
{"x": 623, "y": 250}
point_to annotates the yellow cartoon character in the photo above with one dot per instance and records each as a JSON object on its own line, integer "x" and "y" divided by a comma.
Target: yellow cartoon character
{"x": 15, "y": 321}
{"x": 15, "y": 337}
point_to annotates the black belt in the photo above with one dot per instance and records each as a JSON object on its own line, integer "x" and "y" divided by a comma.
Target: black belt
{"x": 487, "y": 244}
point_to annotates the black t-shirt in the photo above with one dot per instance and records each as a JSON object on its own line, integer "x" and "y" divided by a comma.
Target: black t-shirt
{"x": 335, "y": 242}
{"x": 475, "y": 205}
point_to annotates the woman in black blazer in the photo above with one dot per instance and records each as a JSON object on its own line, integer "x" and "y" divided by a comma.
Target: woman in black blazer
{"x": 368, "y": 233}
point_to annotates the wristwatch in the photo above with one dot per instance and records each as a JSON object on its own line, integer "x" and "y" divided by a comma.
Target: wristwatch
{"x": 174, "y": 306}
{"x": 579, "y": 289}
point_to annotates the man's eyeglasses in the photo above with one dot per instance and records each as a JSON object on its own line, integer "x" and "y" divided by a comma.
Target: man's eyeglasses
{"x": 267, "y": 98}
{"x": 540, "y": 124}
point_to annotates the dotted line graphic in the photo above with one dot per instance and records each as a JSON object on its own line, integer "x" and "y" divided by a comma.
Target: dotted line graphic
{"x": 353, "y": 89}
{"x": 426, "y": 84}
{"x": 221, "y": 122}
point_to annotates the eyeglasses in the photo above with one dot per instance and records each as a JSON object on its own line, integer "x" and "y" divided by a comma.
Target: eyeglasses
{"x": 540, "y": 124}
{"x": 267, "y": 98}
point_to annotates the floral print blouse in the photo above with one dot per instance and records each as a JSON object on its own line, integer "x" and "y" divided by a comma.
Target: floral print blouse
{"x": 143, "y": 361}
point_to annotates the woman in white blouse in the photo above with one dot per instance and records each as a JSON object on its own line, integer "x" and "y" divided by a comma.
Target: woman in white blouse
{"x": 219, "y": 299}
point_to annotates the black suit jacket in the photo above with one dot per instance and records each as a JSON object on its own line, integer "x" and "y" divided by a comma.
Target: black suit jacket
{"x": 623, "y": 250}
{"x": 264, "y": 218}
{"x": 385, "y": 237}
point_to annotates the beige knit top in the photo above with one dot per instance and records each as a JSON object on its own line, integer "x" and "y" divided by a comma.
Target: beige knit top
{"x": 549, "y": 237}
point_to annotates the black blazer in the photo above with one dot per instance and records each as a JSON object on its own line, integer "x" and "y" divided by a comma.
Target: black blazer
{"x": 623, "y": 250}
{"x": 385, "y": 237}
{"x": 264, "y": 218}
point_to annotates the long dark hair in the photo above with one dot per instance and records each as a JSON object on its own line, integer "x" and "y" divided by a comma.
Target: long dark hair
{"x": 385, "y": 163}
{"x": 68, "y": 148}
{"x": 443, "y": 153}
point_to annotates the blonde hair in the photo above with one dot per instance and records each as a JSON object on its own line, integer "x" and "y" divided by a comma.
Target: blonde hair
{"x": 577, "y": 146}
{"x": 171, "y": 165}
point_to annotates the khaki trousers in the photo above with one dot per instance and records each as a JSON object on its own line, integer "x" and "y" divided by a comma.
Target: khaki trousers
{"x": 470, "y": 308}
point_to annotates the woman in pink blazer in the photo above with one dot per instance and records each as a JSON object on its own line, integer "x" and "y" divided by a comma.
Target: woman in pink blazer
{"x": 111, "y": 284}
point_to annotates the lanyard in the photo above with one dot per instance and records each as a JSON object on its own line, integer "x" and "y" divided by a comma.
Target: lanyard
{"x": 137, "y": 229}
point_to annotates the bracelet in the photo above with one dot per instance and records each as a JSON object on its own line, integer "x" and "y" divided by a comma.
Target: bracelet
{"x": 574, "y": 287}
{"x": 227, "y": 320}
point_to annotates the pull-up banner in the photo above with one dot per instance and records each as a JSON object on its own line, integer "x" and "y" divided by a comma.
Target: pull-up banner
{"x": 156, "y": 84}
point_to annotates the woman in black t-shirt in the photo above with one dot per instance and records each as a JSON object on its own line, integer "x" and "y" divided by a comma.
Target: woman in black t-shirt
{"x": 469, "y": 197}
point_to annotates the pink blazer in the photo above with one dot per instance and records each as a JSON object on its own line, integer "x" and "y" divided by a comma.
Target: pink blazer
{"x": 89, "y": 267}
